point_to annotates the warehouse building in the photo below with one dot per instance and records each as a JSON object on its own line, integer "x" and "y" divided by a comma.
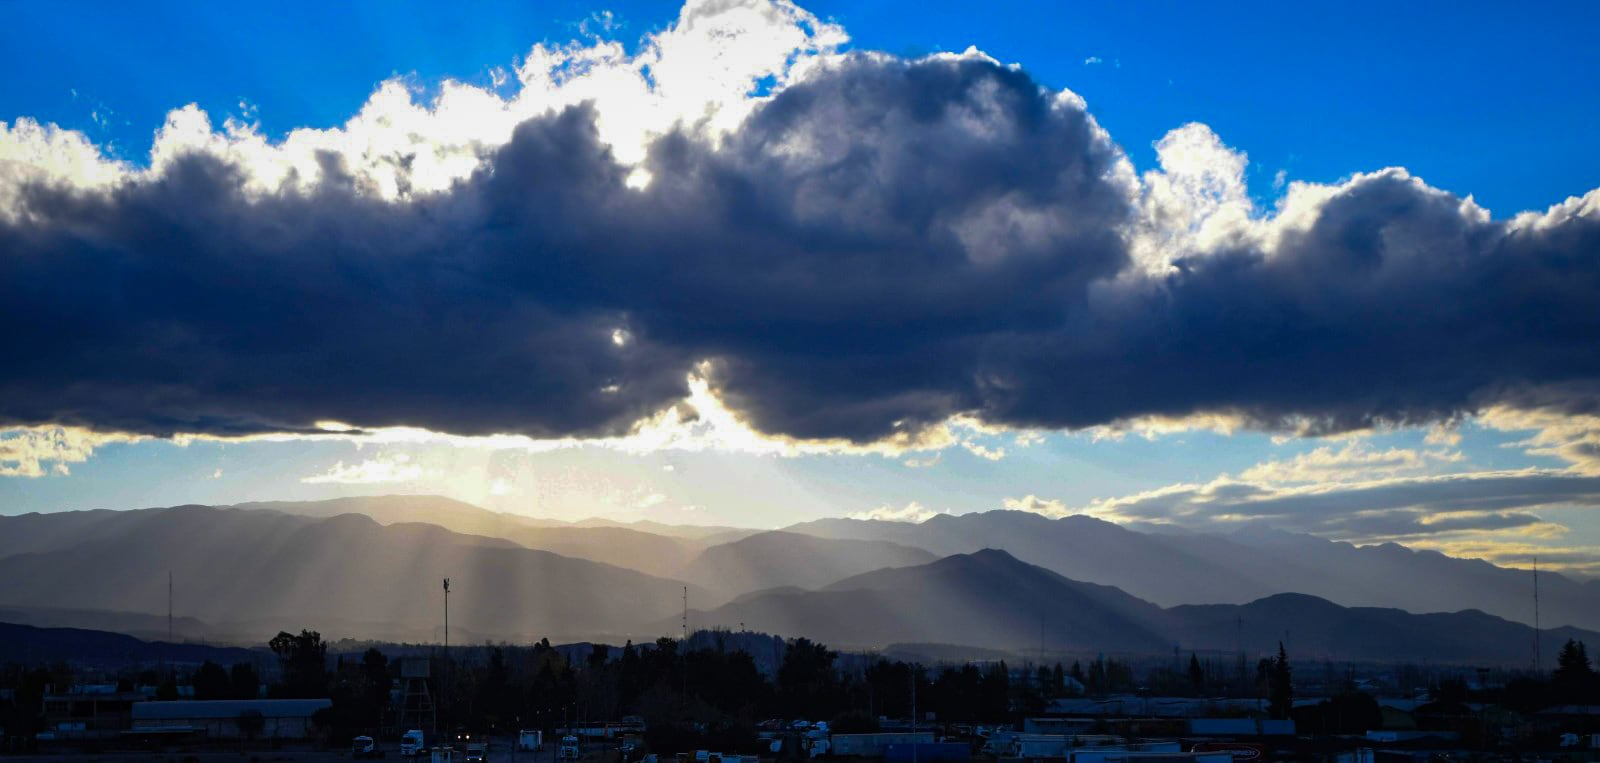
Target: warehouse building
{"x": 231, "y": 718}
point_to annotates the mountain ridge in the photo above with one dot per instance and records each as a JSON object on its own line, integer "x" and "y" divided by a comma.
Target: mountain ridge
{"x": 1197, "y": 567}
{"x": 990, "y": 599}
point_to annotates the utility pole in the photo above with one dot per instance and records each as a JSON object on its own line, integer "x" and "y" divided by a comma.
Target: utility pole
{"x": 445, "y": 695}
{"x": 914, "y": 723}
{"x": 169, "y": 606}
{"x": 1238, "y": 642}
{"x": 683, "y": 650}
{"x": 1537, "y": 667}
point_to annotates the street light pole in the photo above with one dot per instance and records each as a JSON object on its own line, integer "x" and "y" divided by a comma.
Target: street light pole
{"x": 445, "y": 695}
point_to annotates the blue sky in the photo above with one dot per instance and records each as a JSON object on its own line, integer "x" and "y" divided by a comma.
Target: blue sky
{"x": 1480, "y": 99}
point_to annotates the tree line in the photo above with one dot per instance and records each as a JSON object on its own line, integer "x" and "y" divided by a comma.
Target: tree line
{"x": 714, "y": 689}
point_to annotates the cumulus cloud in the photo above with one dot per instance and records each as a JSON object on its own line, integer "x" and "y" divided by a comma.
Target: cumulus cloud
{"x": 1574, "y": 438}
{"x": 844, "y": 248}
{"x": 1050, "y": 507}
{"x": 911, "y": 512}
{"x": 1355, "y": 462}
{"x": 390, "y": 467}
{"x": 38, "y": 451}
{"x": 926, "y": 462}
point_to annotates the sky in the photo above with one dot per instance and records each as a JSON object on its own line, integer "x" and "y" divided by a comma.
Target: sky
{"x": 1326, "y": 269}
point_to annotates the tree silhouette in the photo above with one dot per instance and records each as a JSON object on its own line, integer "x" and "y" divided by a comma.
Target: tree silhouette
{"x": 1573, "y": 663}
{"x": 806, "y": 680}
{"x": 211, "y": 682}
{"x": 304, "y": 662}
{"x": 243, "y": 683}
{"x": 1574, "y": 679}
{"x": 1280, "y": 687}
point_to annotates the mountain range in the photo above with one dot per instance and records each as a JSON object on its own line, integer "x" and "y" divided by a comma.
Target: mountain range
{"x": 254, "y": 572}
{"x": 993, "y": 600}
{"x": 1211, "y": 568}
{"x": 25, "y": 644}
{"x": 1005, "y": 580}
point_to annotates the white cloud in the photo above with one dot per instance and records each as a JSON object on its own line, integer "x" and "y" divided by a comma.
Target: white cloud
{"x": 1195, "y": 203}
{"x": 650, "y": 500}
{"x": 701, "y": 73}
{"x": 386, "y": 468}
{"x": 983, "y": 451}
{"x": 31, "y": 152}
{"x": 1355, "y": 462}
{"x": 37, "y": 451}
{"x": 912, "y": 512}
{"x": 1443, "y": 434}
{"x": 1092, "y": 60}
{"x": 925, "y": 463}
{"x": 1571, "y": 438}
{"x": 1051, "y": 508}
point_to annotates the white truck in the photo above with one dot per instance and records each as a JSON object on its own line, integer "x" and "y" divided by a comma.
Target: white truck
{"x": 364, "y": 747}
{"x": 412, "y": 743}
{"x": 569, "y": 748}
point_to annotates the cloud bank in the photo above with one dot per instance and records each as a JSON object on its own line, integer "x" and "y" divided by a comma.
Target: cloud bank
{"x": 844, "y": 247}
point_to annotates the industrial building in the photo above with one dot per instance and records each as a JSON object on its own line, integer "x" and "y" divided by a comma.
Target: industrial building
{"x": 231, "y": 718}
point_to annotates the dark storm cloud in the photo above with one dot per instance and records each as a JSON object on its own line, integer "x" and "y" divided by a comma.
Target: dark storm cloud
{"x": 877, "y": 248}
{"x": 1391, "y": 307}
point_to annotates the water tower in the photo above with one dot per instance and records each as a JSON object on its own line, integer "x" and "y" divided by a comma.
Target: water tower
{"x": 416, "y": 708}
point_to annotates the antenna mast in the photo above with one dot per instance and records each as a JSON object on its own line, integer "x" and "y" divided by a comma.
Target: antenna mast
{"x": 1537, "y": 667}
{"x": 686, "y": 617}
{"x": 446, "y": 694}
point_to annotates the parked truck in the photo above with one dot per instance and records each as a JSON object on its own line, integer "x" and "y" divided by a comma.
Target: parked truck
{"x": 412, "y": 743}
{"x": 364, "y": 747}
{"x": 530, "y": 741}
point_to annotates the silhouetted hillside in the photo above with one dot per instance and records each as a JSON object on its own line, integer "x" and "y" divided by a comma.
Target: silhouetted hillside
{"x": 1317, "y": 627}
{"x": 985, "y": 599}
{"x": 253, "y": 572}
{"x": 147, "y": 626}
{"x": 660, "y": 554}
{"x": 774, "y": 559}
{"x": 25, "y": 644}
{"x": 992, "y": 600}
{"x": 1196, "y": 568}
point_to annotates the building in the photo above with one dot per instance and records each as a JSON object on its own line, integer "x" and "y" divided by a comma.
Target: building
{"x": 89, "y": 711}
{"x": 221, "y": 719}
